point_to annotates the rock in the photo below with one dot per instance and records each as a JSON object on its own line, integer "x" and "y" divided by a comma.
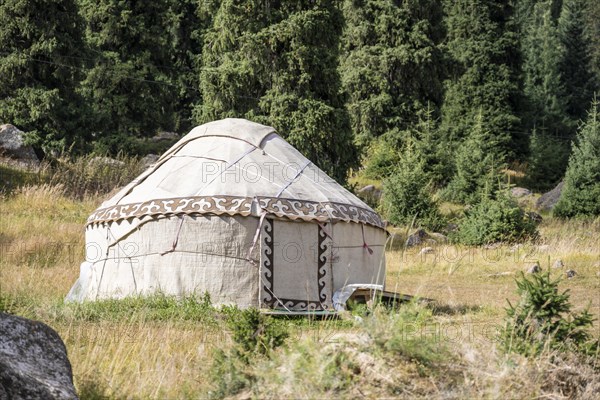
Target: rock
{"x": 535, "y": 217}
{"x": 367, "y": 189}
{"x": 106, "y": 162}
{"x": 438, "y": 237}
{"x": 452, "y": 227}
{"x": 13, "y": 145}
{"x": 395, "y": 242}
{"x": 549, "y": 199}
{"x": 570, "y": 273}
{"x": 520, "y": 192}
{"x": 534, "y": 269}
{"x": 33, "y": 361}
{"x": 370, "y": 192}
{"x": 427, "y": 250}
{"x": 416, "y": 238}
{"x": 149, "y": 160}
{"x": 543, "y": 248}
{"x": 558, "y": 264}
{"x": 165, "y": 136}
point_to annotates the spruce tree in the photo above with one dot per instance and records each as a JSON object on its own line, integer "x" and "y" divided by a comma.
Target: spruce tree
{"x": 575, "y": 67}
{"x": 130, "y": 82}
{"x": 477, "y": 166}
{"x": 276, "y": 63}
{"x": 592, "y": 33}
{"x": 391, "y": 63}
{"x": 543, "y": 87}
{"x": 581, "y": 190}
{"x": 40, "y": 67}
{"x": 407, "y": 193}
{"x": 483, "y": 51}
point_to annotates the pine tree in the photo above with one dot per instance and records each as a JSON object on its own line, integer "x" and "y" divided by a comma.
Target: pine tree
{"x": 129, "y": 84}
{"x": 483, "y": 48}
{"x": 581, "y": 191}
{"x": 391, "y": 63}
{"x": 40, "y": 67}
{"x": 276, "y": 63}
{"x": 477, "y": 166}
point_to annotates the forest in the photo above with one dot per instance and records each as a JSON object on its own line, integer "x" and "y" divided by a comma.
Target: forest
{"x": 465, "y": 87}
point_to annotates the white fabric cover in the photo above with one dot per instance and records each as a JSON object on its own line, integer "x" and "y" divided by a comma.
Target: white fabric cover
{"x": 198, "y": 221}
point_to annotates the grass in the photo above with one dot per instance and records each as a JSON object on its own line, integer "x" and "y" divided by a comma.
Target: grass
{"x": 162, "y": 347}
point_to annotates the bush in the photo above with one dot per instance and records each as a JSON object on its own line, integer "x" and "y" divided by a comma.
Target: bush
{"x": 543, "y": 318}
{"x": 498, "y": 219}
{"x": 580, "y": 194}
{"x": 253, "y": 334}
{"x": 407, "y": 196}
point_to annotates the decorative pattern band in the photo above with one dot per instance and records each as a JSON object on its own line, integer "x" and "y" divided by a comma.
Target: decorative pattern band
{"x": 232, "y": 205}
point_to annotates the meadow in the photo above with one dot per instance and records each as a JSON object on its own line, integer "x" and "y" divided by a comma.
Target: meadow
{"x": 163, "y": 347}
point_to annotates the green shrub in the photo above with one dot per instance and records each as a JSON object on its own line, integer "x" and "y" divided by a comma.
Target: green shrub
{"x": 543, "y": 317}
{"x": 498, "y": 219}
{"x": 407, "y": 194}
{"x": 581, "y": 191}
{"x": 254, "y": 332}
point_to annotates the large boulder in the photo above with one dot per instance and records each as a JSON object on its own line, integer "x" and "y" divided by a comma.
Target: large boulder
{"x": 13, "y": 145}
{"x": 33, "y": 361}
{"x": 549, "y": 199}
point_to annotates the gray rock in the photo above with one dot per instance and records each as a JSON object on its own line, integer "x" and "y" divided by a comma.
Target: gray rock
{"x": 416, "y": 238}
{"x": 370, "y": 192}
{"x": 549, "y": 199}
{"x": 535, "y": 217}
{"x": 534, "y": 269}
{"x": 558, "y": 264}
{"x": 106, "y": 162}
{"x": 149, "y": 160}
{"x": 570, "y": 273}
{"x": 543, "y": 248}
{"x": 438, "y": 237}
{"x": 13, "y": 145}
{"x": 165, "y": 136}
{"x": 520, "y": 192}
{"x": 427, "y": 250}
{"x": 33, "y": 361}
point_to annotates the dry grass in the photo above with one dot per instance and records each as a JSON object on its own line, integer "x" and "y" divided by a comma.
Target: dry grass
{"x": 42, "y": 241}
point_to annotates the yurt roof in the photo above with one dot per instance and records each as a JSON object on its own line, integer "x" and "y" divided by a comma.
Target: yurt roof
{"x": 234, "y": 166}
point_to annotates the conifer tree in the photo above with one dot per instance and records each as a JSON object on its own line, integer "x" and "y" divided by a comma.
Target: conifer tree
{"x": 276, "y": 63}
{"x": 592, "y": 33}
{"x": 484, "y": 79}
{"x": 543, "y": 87}
{"x": 391, "y": 63}
{"x": 575, "y": 66}
{"x": 129, "y": 83}
{"x": 40, "y": 67}
{"x": 407, "y": 193}
{"x": 581, "y": 190}
{"x": 477, "y": 166}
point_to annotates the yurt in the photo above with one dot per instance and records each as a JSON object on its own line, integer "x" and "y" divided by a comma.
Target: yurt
{"x": 235, "y": 211}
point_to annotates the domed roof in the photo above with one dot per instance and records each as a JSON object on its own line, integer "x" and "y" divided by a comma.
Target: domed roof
{"x": 234, "y": 166}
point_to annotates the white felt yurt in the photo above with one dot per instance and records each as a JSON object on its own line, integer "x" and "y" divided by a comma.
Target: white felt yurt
{"x": 235, "y": 211}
